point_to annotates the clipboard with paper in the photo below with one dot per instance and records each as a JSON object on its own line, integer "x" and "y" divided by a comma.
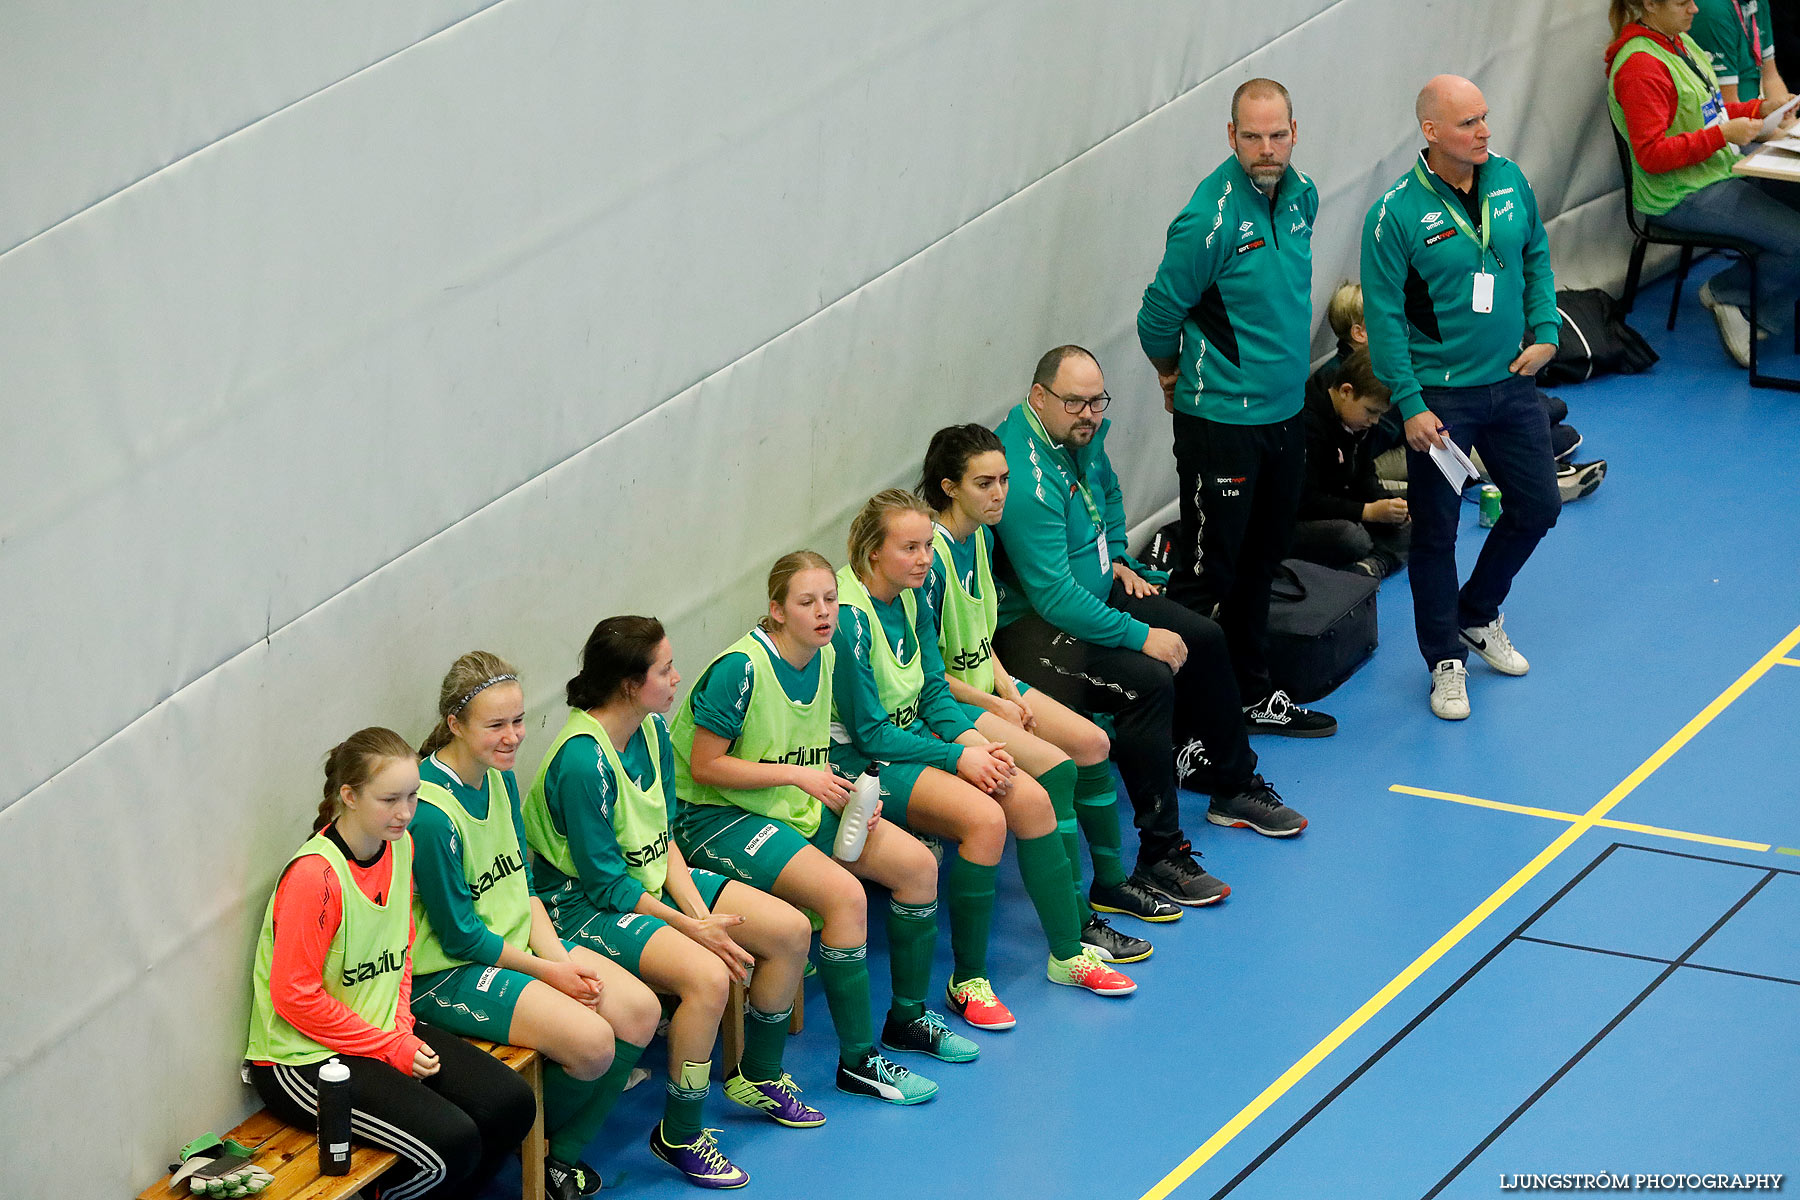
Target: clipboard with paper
{"x": 1455, "y": 465}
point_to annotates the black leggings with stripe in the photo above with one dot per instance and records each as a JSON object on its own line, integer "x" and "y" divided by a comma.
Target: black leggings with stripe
{"x": 451, "y": 1131}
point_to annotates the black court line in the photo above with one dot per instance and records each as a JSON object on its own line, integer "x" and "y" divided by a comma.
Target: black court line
{"x": 1381, "y": 1052}
{"x": 1664, "y": 961}
{"x": 1611, "y": 1025}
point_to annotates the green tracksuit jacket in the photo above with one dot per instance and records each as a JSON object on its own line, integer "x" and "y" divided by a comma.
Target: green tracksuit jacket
{"x": 1233, "y": 298}
{"x": 1056, "y": 558}
{"x": 1418, "y": 279}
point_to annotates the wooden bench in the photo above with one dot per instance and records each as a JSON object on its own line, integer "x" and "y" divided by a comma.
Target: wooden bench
{"x": 731, "y": 1028}
{"x": 292, "y": 1155}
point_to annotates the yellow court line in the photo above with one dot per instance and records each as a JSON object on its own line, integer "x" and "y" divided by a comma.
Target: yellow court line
{"x": 1399, "y": 983}
{"x": 1789, "y": 662}
{"x": 1557, "y": 815}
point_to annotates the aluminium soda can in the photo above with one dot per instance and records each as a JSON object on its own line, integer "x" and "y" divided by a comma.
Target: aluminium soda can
{"x": 1490, "y": 505}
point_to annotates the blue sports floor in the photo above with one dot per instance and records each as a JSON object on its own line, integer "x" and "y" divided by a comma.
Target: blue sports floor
{"x": 1559, "y": 937}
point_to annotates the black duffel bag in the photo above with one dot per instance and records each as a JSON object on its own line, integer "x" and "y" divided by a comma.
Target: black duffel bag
{"x": 1595, "y": 340}
{"x": 1321, "y": 627}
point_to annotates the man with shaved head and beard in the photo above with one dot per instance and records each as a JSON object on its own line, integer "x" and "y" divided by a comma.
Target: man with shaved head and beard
{"x": 1459, "y": 303}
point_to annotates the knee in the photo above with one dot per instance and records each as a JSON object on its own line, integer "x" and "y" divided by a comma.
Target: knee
{"x": 1091, "y": 747}
{"x": 516, "y": 1110}
{"x": 706, "y": 986}
{"x": 1357, "y": 540}
{"x": 844, "y": 907}
{"x": 793, "y": 934}
{"x": 458, "y": 1141}
{"x": 916, "y": 880}
{"x": 592, "y": 1053}
{"x": 985, "y": 829}
{"x": 635, "y": 1013}
{"x": 1029, "y": 804}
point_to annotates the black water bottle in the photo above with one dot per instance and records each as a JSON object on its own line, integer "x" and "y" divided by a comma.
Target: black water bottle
{"x": 334, "y": 1118}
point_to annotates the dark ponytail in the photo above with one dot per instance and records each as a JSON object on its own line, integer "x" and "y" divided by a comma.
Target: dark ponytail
{"x": 352, "y": 762}
{"x": 948, "y": 457}
{"x": 620, "y": 650}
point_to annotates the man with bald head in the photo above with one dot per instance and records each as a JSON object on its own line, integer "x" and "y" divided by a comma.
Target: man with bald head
{"x": 1227, "y": 323}
{"x": 1459, "y": 303}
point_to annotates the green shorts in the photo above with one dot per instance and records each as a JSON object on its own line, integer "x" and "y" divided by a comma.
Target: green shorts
{"x": 471, "y": 1000}
{"x": 897, "y": 780}
{"x": 744, "y": 846}
{"x": 619, "y": 936}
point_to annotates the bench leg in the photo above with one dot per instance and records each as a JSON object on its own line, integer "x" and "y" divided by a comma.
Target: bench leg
{"x": 731, "y": 1031}
{"x": 534, "y": 1148}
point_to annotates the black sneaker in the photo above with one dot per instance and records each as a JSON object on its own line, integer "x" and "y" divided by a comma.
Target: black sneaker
{"x": 1113, "y": 946}
{"x": 1134, "y": 900}
{"x": 1179, "y": 876}
{"x": 569, "y": 1181}
{"x": 1277, "y": 714}
{"x": 1257, "y": 807}
{"x": 1577, "y": 480}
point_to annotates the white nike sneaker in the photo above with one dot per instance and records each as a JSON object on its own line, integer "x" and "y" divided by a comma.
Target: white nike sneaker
{"x": 1496, "y": 649}
{"x": 1450, "y": 690}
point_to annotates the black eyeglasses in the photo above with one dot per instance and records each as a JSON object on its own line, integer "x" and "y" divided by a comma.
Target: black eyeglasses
{"x": 1073, "y": 405}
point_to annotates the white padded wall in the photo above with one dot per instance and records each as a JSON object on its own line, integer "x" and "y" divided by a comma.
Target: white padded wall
{"x": 335, "y": 343}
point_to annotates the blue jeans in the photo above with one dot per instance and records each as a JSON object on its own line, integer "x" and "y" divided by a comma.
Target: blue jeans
{"x": 1506, "y": 422}
{"x": 1763, "y": 211}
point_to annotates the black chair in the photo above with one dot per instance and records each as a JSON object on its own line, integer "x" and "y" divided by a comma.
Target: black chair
{"x": 1644, "y": 233}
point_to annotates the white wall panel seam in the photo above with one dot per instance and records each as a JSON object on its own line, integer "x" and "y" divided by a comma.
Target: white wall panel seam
{"x": 1048, "y": 175}
{"x": 248, "y": 125}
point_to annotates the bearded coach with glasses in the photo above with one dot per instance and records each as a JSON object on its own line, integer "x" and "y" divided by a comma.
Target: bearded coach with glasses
{"x": 1079, "y": 621}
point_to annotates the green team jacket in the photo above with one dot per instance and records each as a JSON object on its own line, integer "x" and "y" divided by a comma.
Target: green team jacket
{"x": 1050, "y": 561}
{"x": 1233, "y": 298}
{"x": 1418, "y": 273}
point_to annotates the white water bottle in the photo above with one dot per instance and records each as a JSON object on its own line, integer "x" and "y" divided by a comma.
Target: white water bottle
{"x": 853, "y": 822}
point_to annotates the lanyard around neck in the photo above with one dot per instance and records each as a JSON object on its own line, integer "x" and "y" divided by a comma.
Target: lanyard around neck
{"x": 1087, "y": 497}
{"x": 1461, "y": 222}
{"x": 1752, "y": 33}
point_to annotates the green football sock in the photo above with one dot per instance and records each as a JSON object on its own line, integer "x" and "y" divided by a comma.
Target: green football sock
{"x": 912, "y": 932}
{"x": 765, "y": 1038}
{"x": 1059, "y": 781}
{"x": 844, "y": 973}
{"x": 969, "y": 892}
{"x": 1097, "y": 809}
{"x": 687, "y": 1096}
{"x": 571, "y": 1132}
{"x": 1044, "y": 865}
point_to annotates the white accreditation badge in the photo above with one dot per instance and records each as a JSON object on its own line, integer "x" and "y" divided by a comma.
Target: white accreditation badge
{"x": 1105, "y": 558}
{"x": 1484, "y": 293}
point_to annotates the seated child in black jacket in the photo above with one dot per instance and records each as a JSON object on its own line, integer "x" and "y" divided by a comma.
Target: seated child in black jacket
{"x": 1347, "y": 519}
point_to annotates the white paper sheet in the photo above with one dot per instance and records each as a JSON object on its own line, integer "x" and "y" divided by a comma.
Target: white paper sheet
{"x": 1773, "y": 119}
{"x": 1454, "y": 464}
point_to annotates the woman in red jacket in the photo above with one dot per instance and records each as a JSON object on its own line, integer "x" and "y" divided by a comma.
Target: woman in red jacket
{"x": 333, "y": 977}
{"x": 1666, "y": 102}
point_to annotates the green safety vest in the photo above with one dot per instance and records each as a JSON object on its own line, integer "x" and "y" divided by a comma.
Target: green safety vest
{"x": 966, "y": 638}
{"x": 493, "y": 865}
{"x": 898, "y": 685}
{"x": 640, "y": 817}
{"x": 362, "y": 968}
{"x": 1656, "y": 193}
{"x": 777, "y": 729}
